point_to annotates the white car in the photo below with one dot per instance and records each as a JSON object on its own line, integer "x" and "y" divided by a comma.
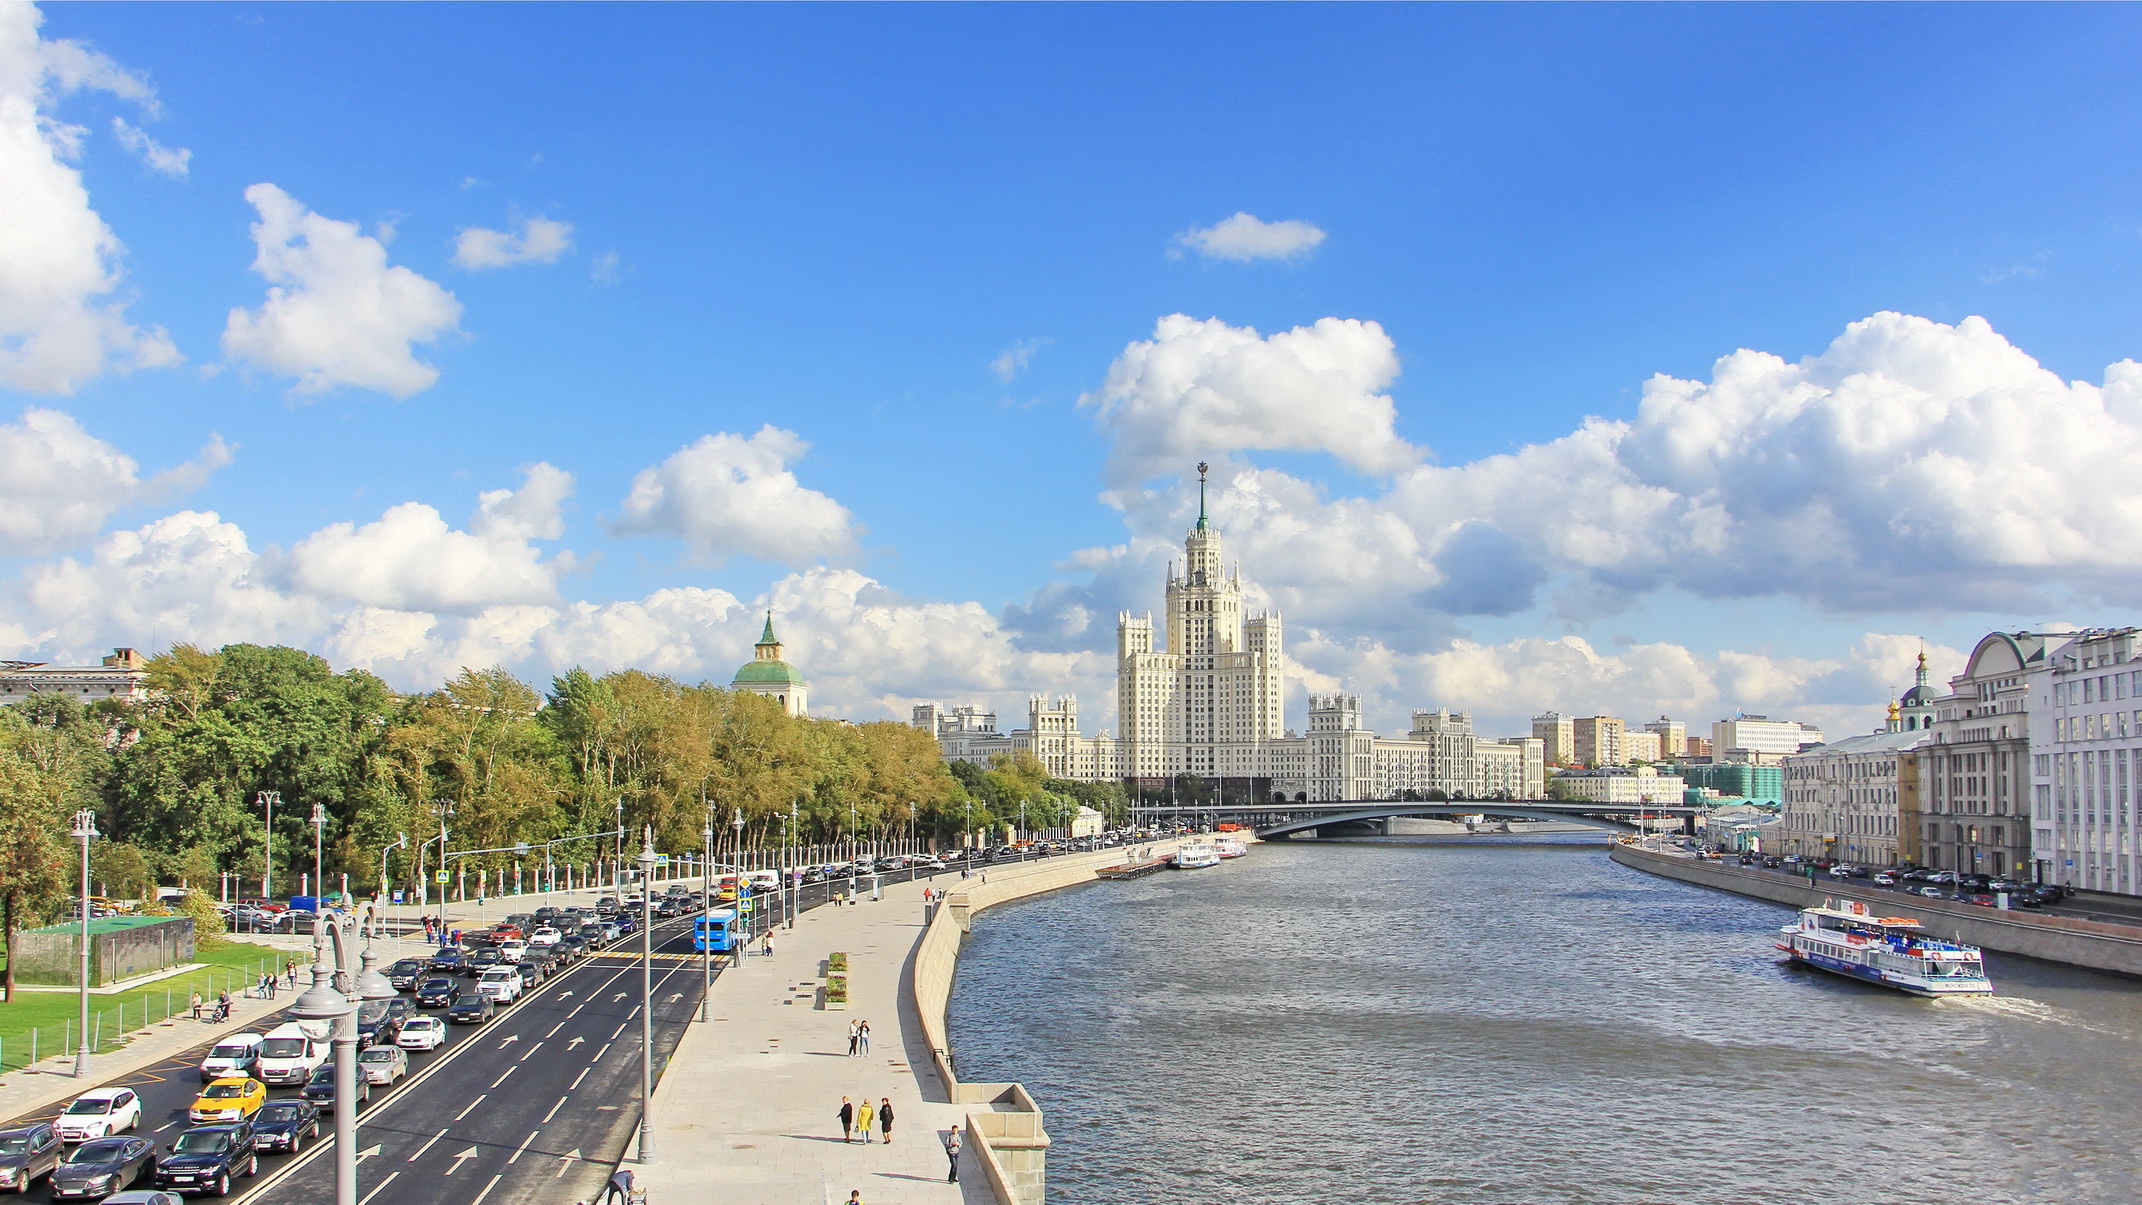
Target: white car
{"x": 512, "y": 950}
{"x": 100, "y": 1114}
{"x": 421, "y": 1033}
{"x": 383, "y": 1065}
{"x": 544, "y": 938}
{"x": 500, "y": 983}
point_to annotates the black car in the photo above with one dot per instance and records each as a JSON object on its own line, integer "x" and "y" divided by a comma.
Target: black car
{"x": 437, "y": 993}
{"x": 207, "y": 1158}
{"x": 320, "y": 1089}
{"x": 404, "y": 974}
{"x": 574, "y": 946}
{"x": 27, "y": 1153}
{"x": 103, "y": 1166}
{"x": 532, "y": 971}
{"x": 448, "y": 960}
{"x": 471, "y": 1010}
{"x": 286, "y": 1124}
{"x": 481, "y": 961}
{"x": 593, "y": 935}
{"x": 378, "y": 1024}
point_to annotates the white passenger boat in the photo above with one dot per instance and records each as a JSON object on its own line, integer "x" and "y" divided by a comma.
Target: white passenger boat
{"x": 1194, "y": 856}
{"x": 1229, "y": 847}
{"x": 1844, "y": 938}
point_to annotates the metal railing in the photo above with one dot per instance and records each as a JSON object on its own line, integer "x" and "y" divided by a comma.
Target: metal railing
{"x": 132, "y": 1011}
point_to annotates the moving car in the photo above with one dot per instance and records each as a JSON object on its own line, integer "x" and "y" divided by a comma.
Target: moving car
{"x": 383, "y": 1065}
{"x": 481, "y": 961}
{"x": 287, "y": 1124}
{"x": 234, "y": 1054}
{"x": 404, "y": 974}
{"x": 533, "y": 971}
{"x": 100, "y": 1113}
{"x": 544, "y": 937}
{"x": 102, "y": 1167}
{"x": 421, "y": 1033}
{"x": 472, "y": 1010}
{"x": 501, "y": 984}
{"x": 320, "y": 1089}
{"x": 512, "y": 951}
{"x": 207, "y": 1159}
{"x": 448, "y": 961}
{"x": 377, "y": 1021}
{"x": 144, "y": 1197}
{"x": 26, "y": 1153}
{"x": 437, "y": 993}
{"x": 233, "y": 1098}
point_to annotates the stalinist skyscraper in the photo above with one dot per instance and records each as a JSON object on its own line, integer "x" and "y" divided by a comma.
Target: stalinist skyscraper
{"x": 1208, "y": 703}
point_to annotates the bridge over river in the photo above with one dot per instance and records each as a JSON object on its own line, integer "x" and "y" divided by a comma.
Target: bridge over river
{"x": 1271, "y": 820}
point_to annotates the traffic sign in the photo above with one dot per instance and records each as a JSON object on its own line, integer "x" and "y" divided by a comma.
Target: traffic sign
{"x": 397, "y": 895}
{"x": 439, "y": 877}
{"x": 661, "y": 859}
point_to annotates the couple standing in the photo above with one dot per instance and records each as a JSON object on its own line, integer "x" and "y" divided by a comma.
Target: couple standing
{"x": 856, "y": 1119}
{"x": 858, "y": 1038}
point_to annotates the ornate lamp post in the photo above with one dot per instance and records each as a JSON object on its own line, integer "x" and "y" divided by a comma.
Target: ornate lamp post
{"x": 706, "y": 911}
{"x": 319, "y": 829}
{"x": 743, "y": 891}
{"x": 268, "y": 800}
{"x": 321, "y": 1002}
{"x": 85, "y": 829}
{"x": 647, "y": 865}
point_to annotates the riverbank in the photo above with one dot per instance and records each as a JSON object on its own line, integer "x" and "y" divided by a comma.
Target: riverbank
{"x": 2097, "y": 945}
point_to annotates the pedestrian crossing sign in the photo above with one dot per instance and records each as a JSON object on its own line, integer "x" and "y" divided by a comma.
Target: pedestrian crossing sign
{"x": 439, "y": 877}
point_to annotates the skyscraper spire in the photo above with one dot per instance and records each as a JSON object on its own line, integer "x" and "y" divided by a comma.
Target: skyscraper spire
{"x": 1202, "y": 524}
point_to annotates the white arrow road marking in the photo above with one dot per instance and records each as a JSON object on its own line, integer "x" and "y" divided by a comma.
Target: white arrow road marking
{"x": 377, "y": 1188}
{"x": 467, "y": 1154}
{"x": 577, "y": 1040}
{"x": 427, "y": 1146}
{"x": 511, "y": 1038}
{"x": 487, "y": 1189}
{"x": 565, "y": 995}
{"x": 675, "y": 996}
{"x": 554, "y": 1110}
{"x": 516, "y": 1155}
{"x": 465, "y": 1112}
{"x": 619, "y": 996}
{"x": 566, "y": 1160}
{"x": 367, "y": 1152}
{"x": 531, "y": 1050}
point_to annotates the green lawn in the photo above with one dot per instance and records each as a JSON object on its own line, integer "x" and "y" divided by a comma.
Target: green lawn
{"x": 234, "y": 966}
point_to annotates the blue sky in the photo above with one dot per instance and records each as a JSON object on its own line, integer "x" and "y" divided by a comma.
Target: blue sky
{"x": 834, "y": 221}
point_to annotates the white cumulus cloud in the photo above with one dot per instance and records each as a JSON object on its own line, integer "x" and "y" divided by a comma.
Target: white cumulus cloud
{"x": 1243, "y": 238}
{"x": 728, "y": 494}
{"x": 1199, "y": 388}
{"x": 62, "y": 321}
{"x": 409, "y": 559}
{"x": 59, "y": 483}
{"x": 171, "y": 161}
{"x": 336, "y": 313}
{"x": 539, "y": 241}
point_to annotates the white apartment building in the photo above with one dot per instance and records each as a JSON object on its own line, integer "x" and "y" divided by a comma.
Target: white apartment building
{"x": 1617, "y": 784}
{"x": 2085, "y": 741}
{"x": 1759, "y": 740}
{"x": 1841, "y": 799}
{"x": 1641, "y": 746}
{"x": 1673, "y": 737}
{"x": 123, "y": 675}
{"x": 1511, "y": 768}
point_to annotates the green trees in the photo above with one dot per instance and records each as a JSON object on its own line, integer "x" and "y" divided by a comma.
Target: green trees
{"x": 176, "y": 779}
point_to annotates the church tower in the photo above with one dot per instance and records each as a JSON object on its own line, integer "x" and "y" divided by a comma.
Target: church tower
{"x": 767, "y": 674}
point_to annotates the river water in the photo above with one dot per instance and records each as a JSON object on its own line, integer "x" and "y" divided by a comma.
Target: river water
{"x": 1521, "y": 1020}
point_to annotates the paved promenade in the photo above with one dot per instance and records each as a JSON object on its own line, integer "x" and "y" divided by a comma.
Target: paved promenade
{"x": 745, "y": 1113}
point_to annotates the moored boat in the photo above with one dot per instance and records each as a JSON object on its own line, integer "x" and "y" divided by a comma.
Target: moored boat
{"x": 1194, "y": 856}
{"x": 1229, "y": 847}
{"x": 1846, "y": 939}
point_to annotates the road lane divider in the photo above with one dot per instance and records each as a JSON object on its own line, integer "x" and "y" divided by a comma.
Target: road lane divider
{"x": 472, "y": 1106}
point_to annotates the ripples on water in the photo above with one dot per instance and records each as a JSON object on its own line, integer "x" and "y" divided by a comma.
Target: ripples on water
{"x": 1522, "y": 1020}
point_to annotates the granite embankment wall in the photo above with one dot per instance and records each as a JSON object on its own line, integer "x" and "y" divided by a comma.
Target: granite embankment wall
{"x": 2083, "y": 943}
{"x": 1004, "y": 1128}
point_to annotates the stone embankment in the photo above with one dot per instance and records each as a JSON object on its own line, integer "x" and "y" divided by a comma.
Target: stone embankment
{"x": 2072, "y": 940}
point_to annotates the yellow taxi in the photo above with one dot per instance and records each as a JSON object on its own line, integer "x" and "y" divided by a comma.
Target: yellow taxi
{"x": 232, "y": 1098}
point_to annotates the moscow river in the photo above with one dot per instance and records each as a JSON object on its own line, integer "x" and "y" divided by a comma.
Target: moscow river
{"x": 1520, "y": 1020}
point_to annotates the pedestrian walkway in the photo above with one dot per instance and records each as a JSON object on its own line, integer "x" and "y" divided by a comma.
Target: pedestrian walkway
{"x": 746, "y": 1112}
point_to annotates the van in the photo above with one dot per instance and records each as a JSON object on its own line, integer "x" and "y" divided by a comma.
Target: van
{"x": 289, "y": 1053}
{"x": 234, "y": 1054}
{"x": 764, "y": 881}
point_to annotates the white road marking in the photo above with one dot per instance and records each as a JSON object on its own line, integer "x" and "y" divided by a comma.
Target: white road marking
{"x": 511, "y": 1038}
{"x": 576, "y": 1011}
{"x": 565, "y": 1161}
{"x": 456, "y": 1166}
{"x": 576, "y": 1079}
{"x": 378, "y": 1188}
{"x": 502, "y": 1079}
{"x": 516, "y": 1155}
{"x": 531, "y": 1050}
{"x": 427, "y": 1146}
{"x": 367, "y": 1152}
{"x": 598, "y": 1054}
{"x": 487, "y": 1189}
{"x": 620, "y": 1029}
{"x": 577, "y": 1040}
{"x": 554, "y": 1030}
{"x": 561, "y": 1104}
{"x": 471, "y": 1109}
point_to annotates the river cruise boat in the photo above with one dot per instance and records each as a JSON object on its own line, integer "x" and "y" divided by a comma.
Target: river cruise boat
{"x": 1194, "y": 856}
{"x": 1229, "y": 847}
{"x": 1844, "y": 938}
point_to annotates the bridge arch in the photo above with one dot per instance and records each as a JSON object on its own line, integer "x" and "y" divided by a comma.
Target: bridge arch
{"x": 1287, "y": 828}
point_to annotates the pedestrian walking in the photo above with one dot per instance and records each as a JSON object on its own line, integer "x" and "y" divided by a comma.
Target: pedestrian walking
{"x": 854, "y": 1036}
{"x": 197, "y": 1006}
{"x": 855, "y": 1196}
{"x": 290, "y": 973}
{"x": 952, "y": 1154}
{"x": 767, "y": 946}
{"x": 847, "y": 1120}
{"x": 862, "y": 1031}
{"x": 885, "y": 1118}
{"x": 266, "y": 984}
{"x": 862, "y": 1120}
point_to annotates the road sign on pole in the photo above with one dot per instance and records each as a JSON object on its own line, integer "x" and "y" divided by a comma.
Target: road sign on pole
{"x": 439, "y": 877}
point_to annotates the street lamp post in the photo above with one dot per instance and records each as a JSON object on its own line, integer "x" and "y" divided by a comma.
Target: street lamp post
{"x": 268, "y": 800}
{"x": 795, "y": 860}
{"x": 706, "y": 913}
{"x": 385, "y": 892}
{"x": 743, "y": 891}
{"x": 85, "y": 828}
{"x": 319, "y": 829}
{"x": 617, "y": 868}
{"x": 321, "y": 1002}
{"x": 647, "y": 865}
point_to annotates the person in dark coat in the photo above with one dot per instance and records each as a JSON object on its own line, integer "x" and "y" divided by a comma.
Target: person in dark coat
{"x": 885, "y": 1117}
{"x": 847, "y": 1120}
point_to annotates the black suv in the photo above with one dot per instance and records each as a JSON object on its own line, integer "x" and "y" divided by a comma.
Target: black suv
{"x": 405, "y": 973}
{"x": 27, "y": 1153}
{"x": 207, "y": 1158}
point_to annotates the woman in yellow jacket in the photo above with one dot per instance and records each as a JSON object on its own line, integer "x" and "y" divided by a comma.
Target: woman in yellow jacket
{"x": 862, "y": 1118}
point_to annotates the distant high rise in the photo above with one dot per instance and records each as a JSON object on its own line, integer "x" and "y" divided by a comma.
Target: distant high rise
{"x": 1557, "y": 735}
{"x": 1599, "y": 741}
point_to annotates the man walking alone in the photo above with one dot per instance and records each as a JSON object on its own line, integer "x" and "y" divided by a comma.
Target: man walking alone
{"x": 952, "y": 1153}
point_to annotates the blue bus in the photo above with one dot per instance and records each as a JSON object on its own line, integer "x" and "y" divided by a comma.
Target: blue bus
{"x": 715, "y": 931}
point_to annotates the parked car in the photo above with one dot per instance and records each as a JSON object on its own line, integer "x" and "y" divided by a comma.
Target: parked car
{"x": 1882, "y": 878}
{"x": 382, "y": 1065}
{"x": 207, "y": 1158}
{"x": 286, "y": 1124}
{"x": 28, "y": 1152}
{"x": 421, "y": 1033}
{"x": 1932, "y": 893}
{"x": 99, "y": 1113}
{"x": 101, "y": 1167}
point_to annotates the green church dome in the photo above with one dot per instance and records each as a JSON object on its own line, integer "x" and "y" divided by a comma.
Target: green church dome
{"x": 767, "y": 673}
